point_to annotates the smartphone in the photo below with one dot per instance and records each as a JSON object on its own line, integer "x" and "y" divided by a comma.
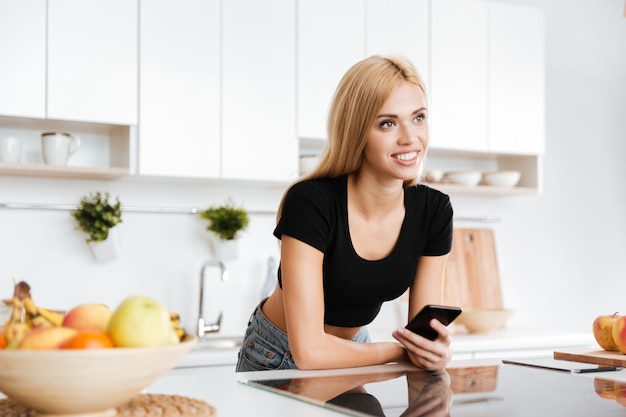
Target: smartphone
{"x": 420, "y": 324}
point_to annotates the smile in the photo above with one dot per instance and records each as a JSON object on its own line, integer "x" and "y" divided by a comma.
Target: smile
{"x": 405, "y": 156}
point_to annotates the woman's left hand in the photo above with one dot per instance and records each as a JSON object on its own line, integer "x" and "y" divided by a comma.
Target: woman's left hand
{"x": 424, "y": 353}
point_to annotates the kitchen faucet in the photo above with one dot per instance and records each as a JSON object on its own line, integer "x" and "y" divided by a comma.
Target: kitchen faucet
{"x": 203, "y": 328}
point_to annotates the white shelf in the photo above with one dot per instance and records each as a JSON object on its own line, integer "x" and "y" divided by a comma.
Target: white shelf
{"x": 55, "y": 171}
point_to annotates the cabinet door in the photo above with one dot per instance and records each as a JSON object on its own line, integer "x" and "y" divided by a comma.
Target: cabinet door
{"x": 516, "y": 79}
{"x": 331, "y": 38}
{"x": 23, "y": 58}
{"x": 92, "y": 60}
{"x": 458, "y": 111}
{"x": 405, "y": 35}
{"x": 258, "y": 114}
{"x": 179, "y": 131}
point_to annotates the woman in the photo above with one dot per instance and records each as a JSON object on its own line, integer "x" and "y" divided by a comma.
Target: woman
{"x": 356, "y": 232}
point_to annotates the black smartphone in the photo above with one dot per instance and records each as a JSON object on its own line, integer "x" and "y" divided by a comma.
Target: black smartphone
{"x": 420, "y": 324}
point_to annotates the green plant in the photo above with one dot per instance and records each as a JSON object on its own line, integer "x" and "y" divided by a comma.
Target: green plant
{"x": 96, "y": 216}
{"x": 226, "y": 221}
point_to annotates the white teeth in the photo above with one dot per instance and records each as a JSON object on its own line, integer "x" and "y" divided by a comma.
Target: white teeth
{"x": 406, "y": 156}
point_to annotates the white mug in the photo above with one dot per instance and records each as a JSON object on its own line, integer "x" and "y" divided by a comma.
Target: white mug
{"x": 10, "y": 150}
{"x": 57, "y": 147}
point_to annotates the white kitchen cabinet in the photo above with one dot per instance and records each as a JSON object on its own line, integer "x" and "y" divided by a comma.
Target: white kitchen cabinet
{"x": 407, "y": 34}
{"x": 331, "y": 38}
{"x": 458, "y": 90}
{"x": 516, "y": 79}
{"x": 258, "y": 90}
{"x": 92, "y": 61}
{"x": 180, "y": 92}
{"x": 23, "y": 58}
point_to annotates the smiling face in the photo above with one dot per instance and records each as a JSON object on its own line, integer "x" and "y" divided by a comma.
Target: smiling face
{"x": 397, "y": 140}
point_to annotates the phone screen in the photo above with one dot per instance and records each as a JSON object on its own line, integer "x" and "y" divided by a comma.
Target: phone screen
{"x": 420, "y": 324}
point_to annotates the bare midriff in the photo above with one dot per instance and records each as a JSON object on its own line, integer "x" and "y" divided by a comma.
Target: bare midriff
{"x": 274, "y": 310}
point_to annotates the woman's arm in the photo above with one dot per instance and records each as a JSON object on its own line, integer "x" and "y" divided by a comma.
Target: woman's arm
{"x": 303, "y": 299}
{"x": 427, "y": 288}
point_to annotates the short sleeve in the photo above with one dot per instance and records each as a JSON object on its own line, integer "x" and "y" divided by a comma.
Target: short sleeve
{"x": 439, "y": 241}
{"x": 307, "y": 215}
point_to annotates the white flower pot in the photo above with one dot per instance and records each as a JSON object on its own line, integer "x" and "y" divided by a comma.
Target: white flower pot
{"x": 225, "y": 250}
{"x": 106, "y": 250}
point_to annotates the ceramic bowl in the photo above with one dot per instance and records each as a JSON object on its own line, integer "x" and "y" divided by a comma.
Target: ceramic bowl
{"x": 502, "y": 178}
{"x": 481, "y": 320}
{"x": 467, "y": 178}
{"x": 84, "y": 382}
{"x": 433, "y": 175}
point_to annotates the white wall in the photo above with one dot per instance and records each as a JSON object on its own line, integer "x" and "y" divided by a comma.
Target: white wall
{"x": 562, "y": 254}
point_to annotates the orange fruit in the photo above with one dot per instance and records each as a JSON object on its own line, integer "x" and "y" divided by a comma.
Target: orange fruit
{"x": 89, "y": 339}
{"x": 3, "y": 342}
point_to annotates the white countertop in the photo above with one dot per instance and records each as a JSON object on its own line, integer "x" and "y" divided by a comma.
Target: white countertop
{"x": 501, "y": 343}
{"x": 226, "y": 390}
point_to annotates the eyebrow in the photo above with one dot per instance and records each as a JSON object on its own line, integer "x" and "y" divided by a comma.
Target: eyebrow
{"x": 392, "y": 116}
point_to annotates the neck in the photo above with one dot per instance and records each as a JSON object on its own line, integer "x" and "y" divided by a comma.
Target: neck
{"x": 373, "y": 199}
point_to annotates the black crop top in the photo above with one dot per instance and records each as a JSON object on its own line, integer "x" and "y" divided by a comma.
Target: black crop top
{"x": 315, "y": 212}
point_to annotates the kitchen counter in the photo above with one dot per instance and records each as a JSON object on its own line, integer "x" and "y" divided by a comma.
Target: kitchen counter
{"x": 498, "y": 344}
{"x": 508, "y": 390}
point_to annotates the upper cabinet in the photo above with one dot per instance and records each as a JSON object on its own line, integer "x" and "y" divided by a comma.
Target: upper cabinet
{"x": 179, "y": 108}
{"x": 92, "y": 61}
{"x": 487, "y": 84}
{"x": 69, "y": 60}
{"x": 259, "y": 90}
{"x": 407, "y": 34}
{"x": 218, "y": 90}
{"x": 331, "y": 38}
{"x": 458, "y": 89}
{"x": 229, "y": 90}
{"x": 516, "y": 79}
{"x": 23, "y": 58}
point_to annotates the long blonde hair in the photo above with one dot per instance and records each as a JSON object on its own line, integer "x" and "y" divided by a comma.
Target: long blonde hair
{"x": 358, "y": 98}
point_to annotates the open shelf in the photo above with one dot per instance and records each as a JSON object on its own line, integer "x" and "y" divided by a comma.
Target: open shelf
{"x": 55, "y": 171}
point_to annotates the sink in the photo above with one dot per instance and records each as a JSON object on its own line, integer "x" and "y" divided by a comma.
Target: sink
{"x": 212, "y": 350}
{"x": 210, "y": 342}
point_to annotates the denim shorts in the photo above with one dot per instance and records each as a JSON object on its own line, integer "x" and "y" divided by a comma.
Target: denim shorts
{"x": 266, "y": 347}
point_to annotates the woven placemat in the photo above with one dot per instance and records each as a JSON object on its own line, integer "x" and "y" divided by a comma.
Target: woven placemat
{"x": 144, "y": 405}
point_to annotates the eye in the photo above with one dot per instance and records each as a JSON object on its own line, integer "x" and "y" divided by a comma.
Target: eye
{"x": 420, "y": 117}
{"x": 386, "y": 124}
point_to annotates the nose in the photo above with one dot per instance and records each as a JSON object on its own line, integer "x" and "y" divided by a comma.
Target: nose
{"x": 408, "y": 135}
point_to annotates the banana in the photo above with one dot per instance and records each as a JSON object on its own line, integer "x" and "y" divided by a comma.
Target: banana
{"x": 15, "y": 332}
{"x": 29, "y": 306}
{"x": 181, "y": 333}
{"x": 55, "y": 318}
{"x": 41, "y": 321}
{"x": 16, "y": 328}
{"x": 175, "y": 322}
{"x": 174, "y": 319}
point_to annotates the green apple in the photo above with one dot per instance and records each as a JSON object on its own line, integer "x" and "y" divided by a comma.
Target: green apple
{"x": 140, "y": 321}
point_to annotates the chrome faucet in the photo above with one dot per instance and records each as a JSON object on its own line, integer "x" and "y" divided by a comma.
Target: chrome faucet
{"x": 203, "y": 328}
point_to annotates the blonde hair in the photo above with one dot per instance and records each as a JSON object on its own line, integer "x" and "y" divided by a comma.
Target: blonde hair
{"x": 358, "y": 98}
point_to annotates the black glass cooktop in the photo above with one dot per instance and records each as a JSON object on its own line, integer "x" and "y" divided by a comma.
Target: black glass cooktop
{"x": 483, "y": 391}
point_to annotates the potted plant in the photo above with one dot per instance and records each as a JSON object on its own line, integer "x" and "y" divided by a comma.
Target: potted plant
{"x": 226, "y": 222}
{"x": 96, "y": 216}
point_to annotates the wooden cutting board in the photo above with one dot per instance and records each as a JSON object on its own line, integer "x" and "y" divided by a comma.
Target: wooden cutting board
{"x": 472, "y": 277}
{"x": 598, "y": 357}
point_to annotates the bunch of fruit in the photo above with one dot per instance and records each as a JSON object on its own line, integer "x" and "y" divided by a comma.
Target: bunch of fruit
{"x": 137, "y": 322}
{"x": 610, "y": 332}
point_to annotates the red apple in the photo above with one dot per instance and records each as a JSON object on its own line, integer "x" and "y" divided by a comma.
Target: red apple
{"x": 88, "y": 317}
{"x": 603, "y": 331}
{"x": 43, "y": 338}
{"x": 619, "y": 333}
